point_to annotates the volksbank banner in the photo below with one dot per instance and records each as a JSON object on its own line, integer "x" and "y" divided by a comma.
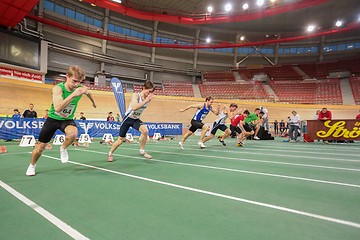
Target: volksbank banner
{"x": 15, "y": 129}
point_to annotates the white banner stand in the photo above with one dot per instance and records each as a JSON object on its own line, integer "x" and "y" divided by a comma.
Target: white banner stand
{"x": 108, "y": 137}
{"x": 129, "y": 137}
{"x": 27, "y": 141}
{"x": 59, "y": 139}
{"x": 84, "y": 138}
{"x": 156, "y": 136}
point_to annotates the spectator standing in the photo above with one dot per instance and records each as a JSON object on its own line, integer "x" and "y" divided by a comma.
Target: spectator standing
{"x": 118, "y": 117}
{"x": 16, "y": 115}
{"x": 276, "y": 127}
{"x": 358, "y": 116}
{"x": 282, "y": 127}
{"x": 30, "y": 113}
{"x": 325, "y": 114}
{"x": 46, "y": 113}
{"x": 110, "y": 117}
{"x": 316, "y": 115}
{"x": 294, "y": 126}
{"x": 82, "y": 117}
{"x": 265, "y": 118}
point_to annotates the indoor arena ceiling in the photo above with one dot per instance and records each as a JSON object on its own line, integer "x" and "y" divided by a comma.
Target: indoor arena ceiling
{"x": 13, "y": 11}
{"x": 284, "y": 18}
{"x": 288, "y": 17}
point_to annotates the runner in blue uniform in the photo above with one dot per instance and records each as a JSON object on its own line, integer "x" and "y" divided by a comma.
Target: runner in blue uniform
{"x": 196, "y": 122}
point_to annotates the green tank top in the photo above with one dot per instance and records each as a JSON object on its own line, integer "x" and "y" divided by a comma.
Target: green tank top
{"x": 68, "y": 112}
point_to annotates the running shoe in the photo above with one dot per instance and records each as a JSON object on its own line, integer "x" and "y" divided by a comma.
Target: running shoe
{"x": 64, "y": 157}
{"x": 240, "y": 144}
{"x": 201, "y": 144}
{"x": 222, "y": 142}
{"x": 110, "y": 158}
{"x": 31, "y": 170}
{"x": 145, "y": 154}
{"x": 181, "y": 145}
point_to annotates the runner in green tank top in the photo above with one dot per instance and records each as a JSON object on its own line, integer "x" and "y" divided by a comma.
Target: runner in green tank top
{"x": 65, "y": 98}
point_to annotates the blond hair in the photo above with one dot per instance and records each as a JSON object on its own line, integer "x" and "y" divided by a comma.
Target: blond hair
{"x": 76, "y": 71}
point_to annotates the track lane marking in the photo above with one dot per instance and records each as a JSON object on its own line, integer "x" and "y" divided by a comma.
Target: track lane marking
{"x": 284, "y": 209}
{"x": 46, "y": 214}
{"x": 234, "y": 170}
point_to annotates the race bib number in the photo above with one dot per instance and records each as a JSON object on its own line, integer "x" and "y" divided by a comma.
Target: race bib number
{"x": 66, "y": 112}
{"x": 137, "y": 114}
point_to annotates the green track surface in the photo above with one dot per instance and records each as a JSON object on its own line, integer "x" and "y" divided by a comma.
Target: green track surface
{"x": 214, "y": 193}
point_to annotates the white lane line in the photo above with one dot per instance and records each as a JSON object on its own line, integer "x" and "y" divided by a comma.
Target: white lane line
{"x": 235, "y": 170}
{"x": 289, "y": 148}
{"x": 17, "y": 153}
{"x": 47, "y": 215}
{"x": 251, "y": 160}
{"x": 284, "y": 209}
{"x": 241, "y": 151}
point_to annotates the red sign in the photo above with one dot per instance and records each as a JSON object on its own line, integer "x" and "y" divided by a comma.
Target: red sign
{"x": 333, "y": 129}
{"x": 20, "y": 74}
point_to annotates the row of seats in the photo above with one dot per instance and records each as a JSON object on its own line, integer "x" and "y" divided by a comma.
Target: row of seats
{"x": 234, "y": 91}
{"x": 355, "y": 87}
{"x": 279, "y": 73}
{"x": 312, "y": 70}
{"x": 322, "y": 70}
{"x": 223, "y": 76}
{"x": 319, "y": 92}
{"x": 173, "y": 88}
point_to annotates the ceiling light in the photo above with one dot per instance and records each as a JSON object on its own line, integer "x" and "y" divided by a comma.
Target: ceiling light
{"x": 208, "y": 40}
{"x": 310, "y": 28}
{"x": 228, "y": 7}
{"x": 259, "y": 2}
{"x": 339, "y": 23}
{"x": 245, "y": 6}
{"x": 242, "y": 38}
{"x": 117, "y": 1}
{"x": 210, "y": 9}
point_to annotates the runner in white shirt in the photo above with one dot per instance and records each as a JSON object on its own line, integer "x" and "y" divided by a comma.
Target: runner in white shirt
{"x": 137, "y": 105}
